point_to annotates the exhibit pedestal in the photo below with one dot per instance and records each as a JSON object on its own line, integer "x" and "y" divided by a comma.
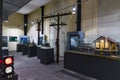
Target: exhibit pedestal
{"x": 25, "y": 50}
{"x": 46, "y": 55}
{"x": 5, "y": 52}
{"x": 19, "y": 47}
{"x": 38, "y": 52}
{"x": 98, "y": 66}
{"x": 32, "y": 51}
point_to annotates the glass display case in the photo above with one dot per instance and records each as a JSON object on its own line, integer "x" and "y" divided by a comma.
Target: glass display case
{"x": 23, "y": 39}
{"x": 101, "y": 45}
{"x": 106, "y": 46}
{"x": 75, "y": 40}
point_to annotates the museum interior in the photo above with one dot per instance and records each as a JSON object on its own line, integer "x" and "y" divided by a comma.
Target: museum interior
{"x": 61, "y": 39}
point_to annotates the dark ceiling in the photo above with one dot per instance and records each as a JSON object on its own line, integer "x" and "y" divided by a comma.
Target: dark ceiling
{"x": 11, "y": 6}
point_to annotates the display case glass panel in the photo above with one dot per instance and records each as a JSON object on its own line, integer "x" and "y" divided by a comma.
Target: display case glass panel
{"x": 23, "y": 39}
{"x": 100, "y": 45}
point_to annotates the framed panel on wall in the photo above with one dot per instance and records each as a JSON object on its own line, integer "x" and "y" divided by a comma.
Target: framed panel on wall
{"x": 12, "y": 38}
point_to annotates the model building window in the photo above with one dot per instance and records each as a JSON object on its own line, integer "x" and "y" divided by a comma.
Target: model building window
{"x": 106, "y": 45}
{"x": 97, "y": 45}
{"x": 102, "y": 44}
{"x": 113, "y": 46}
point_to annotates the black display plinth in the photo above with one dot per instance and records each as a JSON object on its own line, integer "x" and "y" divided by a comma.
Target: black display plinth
{"x": 106, "y": 52}
{"x": 46, "y": 55}
{"x": 19, "y": 47}
{"x": 38, "y": 52}
{"x": 32, "y": 51}
{"x": 5, "y": 52}
{"x": 25, "y": 50}
{"x": 14, "y": 77}
{"x": 98, "y": 66}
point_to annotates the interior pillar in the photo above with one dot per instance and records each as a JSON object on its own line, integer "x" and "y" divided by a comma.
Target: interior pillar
{"x": 1, "y": 11}
{"x": 79, "y": 15}
{"x": 25, "y": 24}
{"x": 42, "y": 18}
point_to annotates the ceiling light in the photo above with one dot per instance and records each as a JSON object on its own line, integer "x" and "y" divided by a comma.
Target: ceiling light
{"x": 73, "y": 12}
{"x": 6, "y": 20}
{"x": 25, "y": 24}
{"x": 74, "y": 8}
{"x": 31, "y": 22}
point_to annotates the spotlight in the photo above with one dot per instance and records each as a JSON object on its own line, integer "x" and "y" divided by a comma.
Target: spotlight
{"x": 25, "y": 24}
{"x": 6, "y": 20}
{"x": 8, "y": 61}
{"x": 73, "y": 9}
{"x": 32, "y": 22}
{"x": 8, "y": 69}
{"x": 73, "y": 12}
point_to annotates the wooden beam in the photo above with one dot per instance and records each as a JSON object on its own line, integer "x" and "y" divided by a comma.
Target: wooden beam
{"x": 38, "y": 29}
{"x": 62, "y": 14}
{"x": 57, "y": 39}
{"x": 57, "y": 24}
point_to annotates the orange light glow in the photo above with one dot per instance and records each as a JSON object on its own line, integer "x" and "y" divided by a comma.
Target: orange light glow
{"x": 8, "y": 61}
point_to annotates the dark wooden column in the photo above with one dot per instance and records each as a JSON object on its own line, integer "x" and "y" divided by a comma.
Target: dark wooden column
{"x": 38, "y": 29}
{"x": 42, "y": 19}
{"x": 25, "y": 24}
{"x": 1, "y": 11}
{"x": 58, "y": 30}
{"x": 79, "y": 15}
{"x": 57, "y": 39}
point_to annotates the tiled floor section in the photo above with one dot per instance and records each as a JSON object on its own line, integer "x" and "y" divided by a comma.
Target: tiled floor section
{"x": 32, "y": 69}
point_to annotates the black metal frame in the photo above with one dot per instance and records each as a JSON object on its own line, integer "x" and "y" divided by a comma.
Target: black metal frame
{"x": 14, "y": 77}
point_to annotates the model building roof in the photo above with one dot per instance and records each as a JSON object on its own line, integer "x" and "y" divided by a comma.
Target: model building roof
{"x": 108, "y": 38}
